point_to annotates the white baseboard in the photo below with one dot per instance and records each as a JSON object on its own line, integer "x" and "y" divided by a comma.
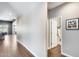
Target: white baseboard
{"x": 27, "y": 48}
{"x": 66, "y": 54}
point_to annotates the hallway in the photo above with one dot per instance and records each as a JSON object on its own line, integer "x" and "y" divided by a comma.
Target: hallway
{"x": 9, "y": 47}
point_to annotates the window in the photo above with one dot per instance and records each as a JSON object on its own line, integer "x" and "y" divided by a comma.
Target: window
{"x": 0, "y": 28}
{"x": 3, "y": 28}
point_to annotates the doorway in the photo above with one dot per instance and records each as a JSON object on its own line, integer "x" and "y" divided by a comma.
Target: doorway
{"x": 55, "y": 37}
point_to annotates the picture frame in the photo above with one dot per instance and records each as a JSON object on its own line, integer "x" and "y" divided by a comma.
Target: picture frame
{"x": 72, "y": 24}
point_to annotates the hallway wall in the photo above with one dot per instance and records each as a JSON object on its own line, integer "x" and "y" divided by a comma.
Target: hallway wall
{"x": 70, "y": 38}
{"x": 31, "y": 29}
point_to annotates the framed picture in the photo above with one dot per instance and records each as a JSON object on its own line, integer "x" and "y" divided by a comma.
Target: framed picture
{"x": 72, "y": 24}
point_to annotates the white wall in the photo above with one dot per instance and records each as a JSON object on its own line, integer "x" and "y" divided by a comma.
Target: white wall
{"x": 32, "y": 29}
{"x": 70, "y": 38}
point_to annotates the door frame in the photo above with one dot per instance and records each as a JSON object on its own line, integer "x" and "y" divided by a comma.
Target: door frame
{"x": 48, "y": 31}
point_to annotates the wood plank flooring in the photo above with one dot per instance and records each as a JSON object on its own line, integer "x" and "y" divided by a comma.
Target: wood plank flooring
{"x": 9, "y": 47}
{"x": 55, "y": 52}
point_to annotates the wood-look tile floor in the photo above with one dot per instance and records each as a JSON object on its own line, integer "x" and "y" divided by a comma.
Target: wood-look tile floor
{"x": 9, "y": 47}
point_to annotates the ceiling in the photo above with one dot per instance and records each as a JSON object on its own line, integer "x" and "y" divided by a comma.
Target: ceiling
{"x": 52, "y": 5}
{"x": 23, "y": 8}
{"x": 27, "y": 8}
{"x": 11, "y": 9}
{"x": 6, "y": 12}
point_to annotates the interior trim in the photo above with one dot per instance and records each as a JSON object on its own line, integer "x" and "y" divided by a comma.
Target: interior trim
{"x": 27, "y": 48}
{"x": 66, "y": 54}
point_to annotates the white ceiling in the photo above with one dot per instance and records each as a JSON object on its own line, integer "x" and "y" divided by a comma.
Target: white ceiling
{"x": 23, "y": 8}
{"x": 6, "y": 12}
{"x": 52, "y": 5}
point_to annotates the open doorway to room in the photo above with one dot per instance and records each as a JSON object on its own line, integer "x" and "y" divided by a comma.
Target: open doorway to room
{"x": 5, "y": 28}
{"x": 55, "y": 37}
